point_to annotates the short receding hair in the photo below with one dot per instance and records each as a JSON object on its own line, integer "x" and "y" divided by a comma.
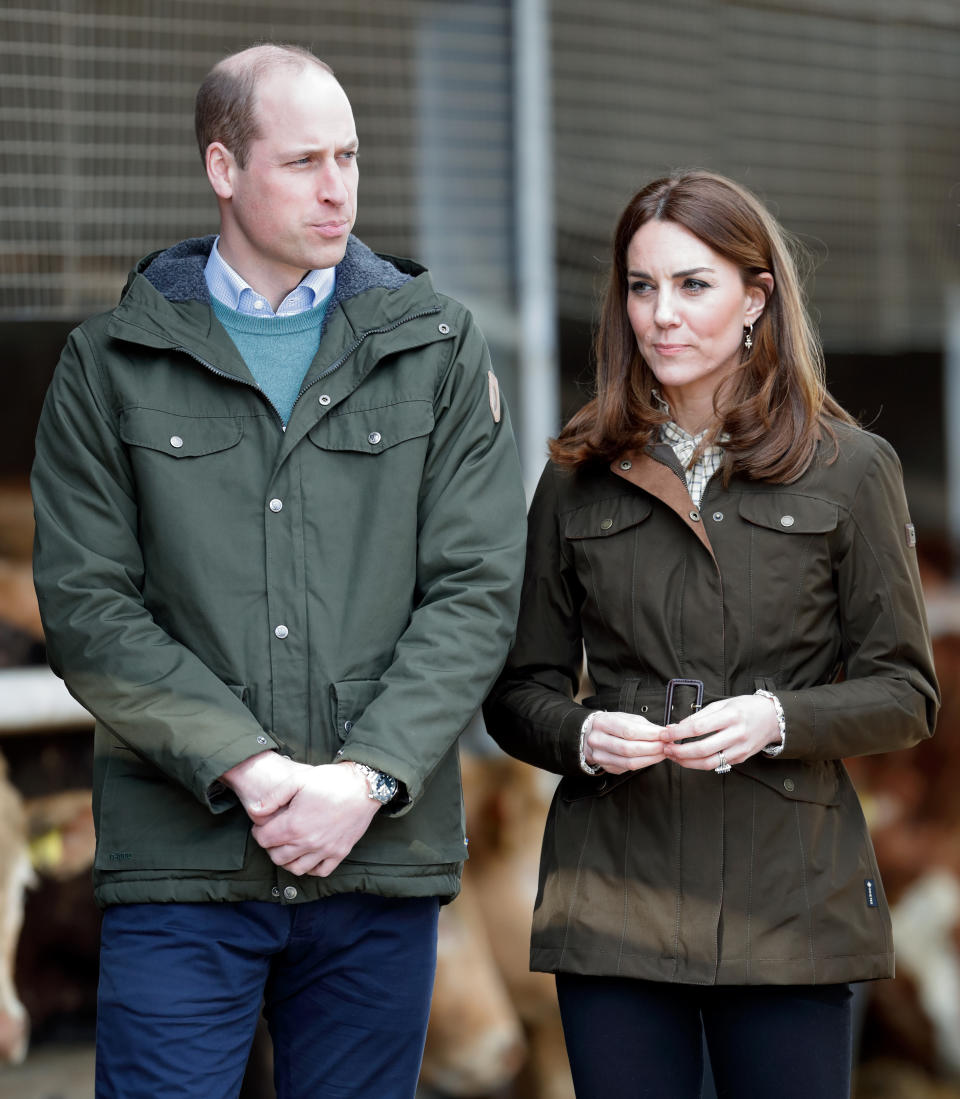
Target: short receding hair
{"x": 226, "y": 100}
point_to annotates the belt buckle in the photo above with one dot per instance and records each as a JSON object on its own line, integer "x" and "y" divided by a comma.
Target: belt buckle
{"x": 671, "y": 685}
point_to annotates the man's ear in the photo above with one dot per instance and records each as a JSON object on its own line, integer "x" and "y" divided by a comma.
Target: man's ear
{"x": 757, "y": 299}
{"x": 221, "y": 167}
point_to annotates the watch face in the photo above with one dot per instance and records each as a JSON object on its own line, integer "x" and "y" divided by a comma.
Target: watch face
{"x": 384, "y": 787}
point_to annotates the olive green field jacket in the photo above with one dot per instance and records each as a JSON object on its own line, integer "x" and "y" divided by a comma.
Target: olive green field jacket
{"x": 765, "y": 875}
{"x": 213, "y": 585}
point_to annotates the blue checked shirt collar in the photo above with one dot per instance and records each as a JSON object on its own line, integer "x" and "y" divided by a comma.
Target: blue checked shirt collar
{"x": 229, "y": 288}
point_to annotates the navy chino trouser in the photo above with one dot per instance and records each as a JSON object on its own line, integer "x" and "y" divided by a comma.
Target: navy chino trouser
{"x": 345, "y": 982}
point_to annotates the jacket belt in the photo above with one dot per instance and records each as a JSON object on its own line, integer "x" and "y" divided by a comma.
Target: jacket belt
{"x": 665, "y": 703}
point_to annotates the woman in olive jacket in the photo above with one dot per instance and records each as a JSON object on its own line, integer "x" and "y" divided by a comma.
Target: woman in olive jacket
{"x": 736, "y": 559}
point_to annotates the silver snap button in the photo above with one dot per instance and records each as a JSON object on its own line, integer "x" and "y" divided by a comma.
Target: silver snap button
{"x": 347, "y": 726}
{"x": 374, "y": 437}
{"x": 290, "y": 892}
{"x": 695, "y": 516}
{"x": 324, "y": 398}
{"x": 281, "y": 632}
{"x": 261, "y": 740}
{"x": 643, "y": 709}
{"x": 787, "y": 520}
{"x": 275, "y": 891}
{"x": 443, "y": 329}
{"x": 276, "y": 505}
{"x": 718, "y": 516}
{"x": 626, "y": 464}
{"x": 606, "y": 524}
{"x": 789, "y": 785}
{"x": 176, "y": 441}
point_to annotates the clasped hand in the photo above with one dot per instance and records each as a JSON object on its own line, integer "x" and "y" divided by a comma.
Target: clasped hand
{"x": 306, "y": 818}
{"x": 739, "y": 727}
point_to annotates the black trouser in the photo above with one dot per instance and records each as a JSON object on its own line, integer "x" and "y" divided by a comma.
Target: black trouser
{"x": 628, "y": 1039}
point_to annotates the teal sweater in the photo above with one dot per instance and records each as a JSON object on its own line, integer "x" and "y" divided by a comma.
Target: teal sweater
{"x": 277, "y": 350}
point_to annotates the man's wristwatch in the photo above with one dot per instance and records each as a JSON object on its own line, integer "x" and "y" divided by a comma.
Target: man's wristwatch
{"x": 380, "y": 786}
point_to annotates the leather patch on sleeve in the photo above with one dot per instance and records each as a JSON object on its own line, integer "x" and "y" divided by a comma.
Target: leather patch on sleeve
{"x": 493, "y": 388}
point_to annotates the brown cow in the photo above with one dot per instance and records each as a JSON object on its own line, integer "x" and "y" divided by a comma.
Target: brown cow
{"x": 910, "y": 801}
{"x": 506, "y": 806}
{"x": 16, "y": 874}
{"x": 475, "y": 1040}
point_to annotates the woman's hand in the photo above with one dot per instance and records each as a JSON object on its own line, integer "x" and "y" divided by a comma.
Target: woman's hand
{"x": 623, "y": 742}
{"x": 739, "y": 727}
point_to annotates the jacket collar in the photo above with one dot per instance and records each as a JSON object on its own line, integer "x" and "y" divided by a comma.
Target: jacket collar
{"x": 177, "y": 273}
{"x": 655, "y": 470}
{"x": 166, "y": 301}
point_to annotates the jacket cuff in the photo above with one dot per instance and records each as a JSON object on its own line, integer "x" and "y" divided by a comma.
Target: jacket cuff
{"x": 800, "y": 719}
{"x": 568, "y": 739}
{"x": 216, "y": 795}
{"x": 408, "y": 788}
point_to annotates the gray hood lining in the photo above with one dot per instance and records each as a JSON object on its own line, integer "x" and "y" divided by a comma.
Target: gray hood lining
{"x": 177, "y": 273}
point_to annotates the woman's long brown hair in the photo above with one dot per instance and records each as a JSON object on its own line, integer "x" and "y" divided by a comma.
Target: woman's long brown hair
{"x": 775, "y": 408}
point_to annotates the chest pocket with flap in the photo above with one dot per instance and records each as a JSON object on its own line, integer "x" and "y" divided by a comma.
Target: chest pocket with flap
{"x": 786, "y": 513}
{"x": 373, "y": 430}
{"x": 179, "y": 436}
{"x": 605, "y": 518}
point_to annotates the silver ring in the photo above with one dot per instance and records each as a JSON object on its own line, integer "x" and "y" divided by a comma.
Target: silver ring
{"x": 724, "y": 766}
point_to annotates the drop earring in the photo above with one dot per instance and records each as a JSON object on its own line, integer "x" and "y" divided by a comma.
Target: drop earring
{"x": 748, "y": 337}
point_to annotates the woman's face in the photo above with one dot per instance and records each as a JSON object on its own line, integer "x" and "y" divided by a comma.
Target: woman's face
{"x": 688, "y": 307}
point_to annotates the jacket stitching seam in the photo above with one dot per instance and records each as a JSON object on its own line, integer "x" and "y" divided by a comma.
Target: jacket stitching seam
{"x": 811, "y": 952}
{"x": 576, "y": 884}
{"x": 626, "y": 851}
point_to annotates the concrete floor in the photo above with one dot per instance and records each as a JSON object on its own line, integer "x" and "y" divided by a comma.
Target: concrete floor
{"x": 51, "y": 1072}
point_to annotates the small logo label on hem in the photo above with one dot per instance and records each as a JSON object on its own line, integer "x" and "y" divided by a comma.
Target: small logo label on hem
{"x": 871, "y": 890}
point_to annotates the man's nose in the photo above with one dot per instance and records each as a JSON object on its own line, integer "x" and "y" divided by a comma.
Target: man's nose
{"x": 331, "y": 187}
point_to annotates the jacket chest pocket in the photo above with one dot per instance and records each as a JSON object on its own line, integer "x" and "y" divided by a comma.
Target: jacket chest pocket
{"x": 373, "y": 431}
{"x": 603, "y": 540}
{"x": 176, "y": 451}
{"x": 788, "y": 556}
{"x": 380, "y": 452}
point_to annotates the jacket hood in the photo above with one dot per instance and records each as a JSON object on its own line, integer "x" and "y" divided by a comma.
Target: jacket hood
{"x": 177, "y": 273}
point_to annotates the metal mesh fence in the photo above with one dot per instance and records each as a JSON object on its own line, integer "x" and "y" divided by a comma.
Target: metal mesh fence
{"x": 100, "y": 164}
{"x": 841, "y": 113}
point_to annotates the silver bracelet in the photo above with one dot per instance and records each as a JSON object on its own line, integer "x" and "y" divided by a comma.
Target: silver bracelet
{"x": 588, "y": 768}
{"x": 773, "y": 750}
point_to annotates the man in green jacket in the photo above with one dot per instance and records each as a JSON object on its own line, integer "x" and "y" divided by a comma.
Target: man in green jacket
{"x": 279, "y": 546}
